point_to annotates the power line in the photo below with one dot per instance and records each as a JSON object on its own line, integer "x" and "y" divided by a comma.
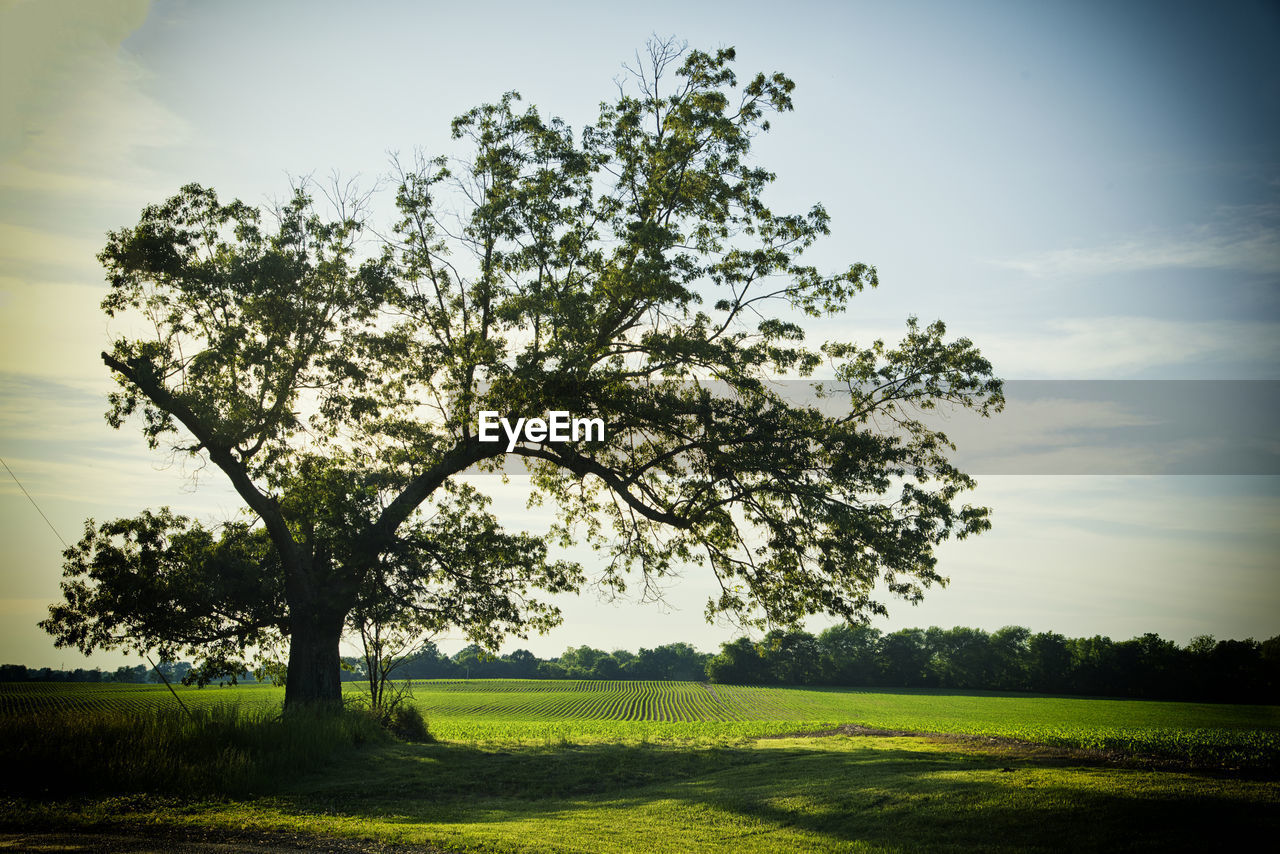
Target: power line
{"x": 33, "y": 503}
{"x": 64, "y": 543}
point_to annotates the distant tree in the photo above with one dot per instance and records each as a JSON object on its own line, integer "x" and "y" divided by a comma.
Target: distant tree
{"x": 428, "y": 663}
{"x": 606, "y": 667}
{"x": 626, "y": 660}
{"x": 1095, "y": 668}
{"x": 135, "y": 674}
{"x": 673, "y": 661}
{"x": 522, "y": 664}
{"x": 1011, "y": 658}
{"x": 905, "y": 658}
{"x": 791, "y": 657}
{"x": 13, "y": 673}
{"x": 849, "y": 655}
{"x": 738, "y": 663}
{"x": 173, "y": 671}
{"x": 1049, "y": 666}
{"x": 473, "y": 662}
{"x": 1201, "y": 646}
{"x": 1269, "y": 667}
{"x": 1238, "y": 673}
{"x": 578, "y": 662}
{"x": 353, "y": 668}
{"x": 551, "y": 670}
{"x": 1269, "y": 663}
{"x": 1159, "y": 667}
{"x": 959, "y": 657}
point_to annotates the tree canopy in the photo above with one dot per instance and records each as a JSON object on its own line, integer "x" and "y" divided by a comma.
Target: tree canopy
{"x": 631, "y": 272}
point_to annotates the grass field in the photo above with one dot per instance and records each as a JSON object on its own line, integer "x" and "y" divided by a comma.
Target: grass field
{"x": 514, "y": 710}
{"x": 622, "y": 766}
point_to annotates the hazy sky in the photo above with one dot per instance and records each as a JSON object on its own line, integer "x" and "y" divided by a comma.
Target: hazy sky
{"x": 1090, "y": 191}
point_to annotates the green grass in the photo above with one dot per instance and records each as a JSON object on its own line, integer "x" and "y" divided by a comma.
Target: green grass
{"x": 215, "y": 748}
{"x": 619, "y": 767}
{"x": 829, "y": 794}
{"x": 485, "y": 710}
{"x": 515, "y": 710}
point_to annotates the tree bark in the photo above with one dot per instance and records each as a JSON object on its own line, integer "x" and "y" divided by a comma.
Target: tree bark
{"x": 314, "y": 677}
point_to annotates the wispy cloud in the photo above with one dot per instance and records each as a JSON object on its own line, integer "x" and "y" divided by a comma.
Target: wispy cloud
{"x": 1244, "y": 238}
{"x": 76, "y": 127}
{"x": 1118, "y": 347}
{"x": 76, "y": 116}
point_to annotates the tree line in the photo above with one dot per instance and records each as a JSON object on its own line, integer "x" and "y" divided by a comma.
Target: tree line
{"x": 175, "y": 672}
{"x": 1010, "y": 659}
{"x": 675, "y": 662}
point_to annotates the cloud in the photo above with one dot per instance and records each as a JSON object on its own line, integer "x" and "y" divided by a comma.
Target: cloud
{"x": 1108, "y": 427}
{"x": 72, "y": 105}
{"x": 1113, "y": 347}
{"x": 54, "y": 436}
{"x": 1105, "y": 346}
{"x": 76, "y": 126}
{"x": 1244, "y": 238}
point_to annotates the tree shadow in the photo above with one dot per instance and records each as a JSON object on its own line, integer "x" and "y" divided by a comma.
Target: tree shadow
{"x": 834, "y": 792}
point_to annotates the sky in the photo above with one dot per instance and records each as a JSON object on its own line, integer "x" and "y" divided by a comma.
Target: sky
{"x": 1088, "y": 190}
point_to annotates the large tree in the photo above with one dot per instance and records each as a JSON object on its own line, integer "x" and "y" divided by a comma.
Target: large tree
{"x": 632, "y": 272}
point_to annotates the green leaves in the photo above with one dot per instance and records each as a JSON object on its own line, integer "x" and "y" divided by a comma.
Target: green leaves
{"x": 160, "y": 582}
{"x": 631, "y": 272}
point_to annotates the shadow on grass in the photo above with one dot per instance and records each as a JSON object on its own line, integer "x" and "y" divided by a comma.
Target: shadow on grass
{"x": 887, "y": 793}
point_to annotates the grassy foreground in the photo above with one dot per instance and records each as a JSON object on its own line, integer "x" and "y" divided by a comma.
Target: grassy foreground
{"x": 597, "y": 784}
{"x": 836, "y": 793}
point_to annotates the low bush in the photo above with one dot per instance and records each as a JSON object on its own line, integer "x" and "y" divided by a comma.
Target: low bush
{"x": 408, "y": 723}
{"x": 215, "y": 749}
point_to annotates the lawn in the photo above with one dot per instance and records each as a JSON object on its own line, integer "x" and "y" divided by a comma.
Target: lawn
{"x": 547, "y": 766}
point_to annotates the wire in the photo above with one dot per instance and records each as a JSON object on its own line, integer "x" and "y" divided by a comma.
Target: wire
{"x": 64, "y": 543}
{"x": 33, "y": 503}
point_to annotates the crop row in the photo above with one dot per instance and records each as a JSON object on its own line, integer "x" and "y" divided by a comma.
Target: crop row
{"x": 38, "y": 697}
{"x": 491, "y": 700}
{"x": 560, "y": 701}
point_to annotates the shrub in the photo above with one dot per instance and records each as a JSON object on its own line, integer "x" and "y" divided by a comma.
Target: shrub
{"x": 408, "y": 723}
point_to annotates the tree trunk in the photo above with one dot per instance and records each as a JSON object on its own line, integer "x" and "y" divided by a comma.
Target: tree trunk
{"x": 314, "y": 677}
